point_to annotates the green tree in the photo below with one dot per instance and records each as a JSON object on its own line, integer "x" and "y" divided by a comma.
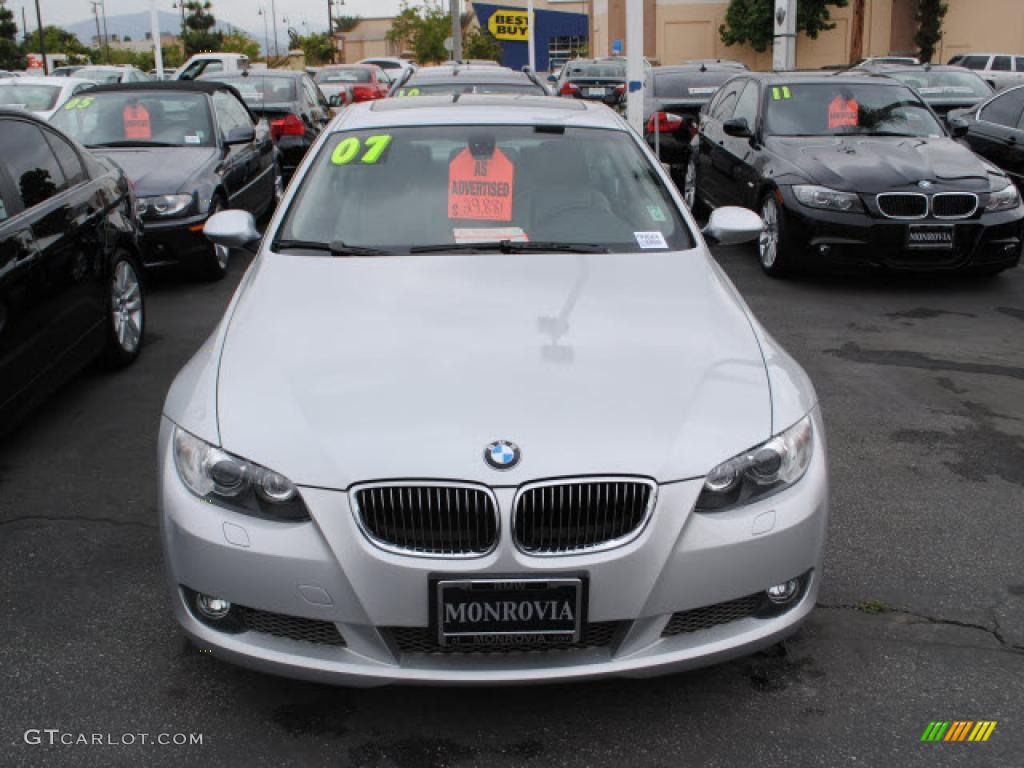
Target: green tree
{"x": 199, "y": 28}
{"x": 237, "y": 41}
{"x": 480, "y": 45}
{"x": 57, "y": 41}
{"x": 346, "y": 23}
{"x": 929, "y": 16}
{"x": 318, "y": 47}
{"x": 752, "y": 21}
{"x": 424, "y": 29}
{"x": 11, "y": 56}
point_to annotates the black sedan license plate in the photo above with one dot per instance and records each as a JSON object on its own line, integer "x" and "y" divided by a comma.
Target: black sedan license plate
{"x": 930, "y": 236}
{"x": 503, "y": 611}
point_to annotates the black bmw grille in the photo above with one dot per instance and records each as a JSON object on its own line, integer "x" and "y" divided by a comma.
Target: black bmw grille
{"x": 898, "y": 205}
{"x": 577, "y": 516}
{"x": 292, "y": 627}
{"x": 422, "y": 640}
{"x": 954, "y": 205}
{"x": 711, "y": 615}
{"x": 443, "y": 520}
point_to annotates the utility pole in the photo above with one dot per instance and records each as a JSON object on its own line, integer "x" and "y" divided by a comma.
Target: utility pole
{"x": 96, "y": 14}
{"x": 531, "y": 49}
{"x": 154, "y": 32}
{"x": 273, "y": 23}
{"x": 784, "y": 45}
{"x": 42, "y": 43}
{"x": 330, "y": 29}
{"x": 106, "y": 35}
{"x": 635, "y": 64}
{"x": 24, "y": 25}
{"x": 453, "y": 9}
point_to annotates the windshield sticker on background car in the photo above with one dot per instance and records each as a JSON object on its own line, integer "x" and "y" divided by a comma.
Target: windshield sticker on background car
{"x": 946, "y": 89}
{"x": 781, "y": 93}
{"x": 656, "y": 214}
{"x": 192, "y": 140}
{"x": 80, "y": 102}
{"x": 348, "y": 149}
{"x": 489, "y": 235}
{"x": 703, "y": 91}
{"x": 408, "y": 91}
{"x": 136, "y": 122}
{"x": 648, "y": 240}
{"x": 842, "y": 113}
{"x": 480, "y": 187}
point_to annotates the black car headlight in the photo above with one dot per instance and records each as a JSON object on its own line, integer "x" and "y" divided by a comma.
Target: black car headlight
{"x": 828, "y": 199}
{"x": 1005, "y": 199}
{"x": 219, "y": 477}
{"x": 160, "y": 206}
{"x": 760, "y": 471}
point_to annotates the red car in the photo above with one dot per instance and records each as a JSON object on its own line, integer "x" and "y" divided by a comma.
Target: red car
{"x": 345, "y": 84}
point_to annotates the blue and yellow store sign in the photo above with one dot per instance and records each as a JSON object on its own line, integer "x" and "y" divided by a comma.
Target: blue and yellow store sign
{"x": 558, "y": 34}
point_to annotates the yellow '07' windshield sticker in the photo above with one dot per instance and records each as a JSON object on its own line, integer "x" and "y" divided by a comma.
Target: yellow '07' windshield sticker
{"x": 80, "y": 102}
{"x": 372, "y": 148}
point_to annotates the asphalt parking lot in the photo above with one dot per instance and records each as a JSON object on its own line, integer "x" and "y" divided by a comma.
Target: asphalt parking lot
{"x": 921, "y": 615}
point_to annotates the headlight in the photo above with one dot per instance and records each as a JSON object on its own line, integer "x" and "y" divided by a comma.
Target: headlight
{"x": 1005, "y": 199}
{"x": 164, "y": 205}
{"x": 761, "y": 471}
{"x": 219, "y": 477}
{"x": 829, "y": 199}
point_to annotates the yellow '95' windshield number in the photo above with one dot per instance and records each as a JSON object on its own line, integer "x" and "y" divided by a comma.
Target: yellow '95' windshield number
{"x": 374, "y": 146}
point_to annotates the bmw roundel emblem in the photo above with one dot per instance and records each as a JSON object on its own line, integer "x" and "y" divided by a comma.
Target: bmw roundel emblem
{"x": 924, "y": 184}
{"x": 501, "y": 454}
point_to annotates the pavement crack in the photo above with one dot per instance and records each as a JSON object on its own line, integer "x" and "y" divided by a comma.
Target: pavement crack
{"x": 77, "y": 519}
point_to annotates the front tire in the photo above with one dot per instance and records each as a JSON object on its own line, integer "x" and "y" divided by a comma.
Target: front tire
{"x": 215, "y": 263}
{"x": 126, "y": 317}
{"x": 690, "y": 196}
{"x": 774, "y": 250}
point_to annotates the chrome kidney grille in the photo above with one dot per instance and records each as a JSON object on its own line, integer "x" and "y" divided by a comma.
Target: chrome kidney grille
{"x": 903, "y": 205}
{"x": 565, "y": 517}
{"x": 429, "y": 520}
{"x": 954, "y": 205}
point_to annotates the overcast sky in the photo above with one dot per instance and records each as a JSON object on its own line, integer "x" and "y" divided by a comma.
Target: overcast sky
{"x": 239, "y": 12}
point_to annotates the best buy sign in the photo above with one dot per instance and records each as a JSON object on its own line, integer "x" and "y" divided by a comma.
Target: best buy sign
{"x": 509, "y": 25}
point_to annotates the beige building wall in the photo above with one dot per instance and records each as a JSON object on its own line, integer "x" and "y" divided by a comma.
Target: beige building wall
{"x": 369, "y": 38}
{"x": 995, "y": 26}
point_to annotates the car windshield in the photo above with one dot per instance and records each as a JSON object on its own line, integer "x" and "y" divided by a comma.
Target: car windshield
{"x": 263, "y": 90}
{"x": 845, "y": 108}
{"x": 138, "y": 118}
{"x": 699, "y": 84}
{"x": 944, "y": 84}
{"x": 101, "y": 76}
{"x": 462, "y": 86}
{"x": 597, "y": 69}
{"x": 343, "y": 76}
{"x": 457, "y": 185}
{"x": 35, "y": 98}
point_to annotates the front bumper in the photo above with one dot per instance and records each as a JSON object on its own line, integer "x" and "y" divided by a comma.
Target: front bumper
{"x": 174, "y": 241}
{"x": 327, "y": 571}
{"x": 984, "y": 242}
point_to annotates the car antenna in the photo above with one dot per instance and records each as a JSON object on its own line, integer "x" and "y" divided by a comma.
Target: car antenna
{"x": 533, "y": 77}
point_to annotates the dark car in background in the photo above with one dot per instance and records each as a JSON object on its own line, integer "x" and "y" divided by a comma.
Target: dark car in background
{"x": 467, "y": 78}
{"x": 70, "y": 288}
{"x": 943, "y": 88}
{"x": 290, "y": 103}
{"x": 672, "y": 103}
{"x": 853, "y": 170}
{"x": 995, "y": 130}
{"x": 594, "y": 80}
{"x": 190, "y": 148}
{"x": 345, "y": 84}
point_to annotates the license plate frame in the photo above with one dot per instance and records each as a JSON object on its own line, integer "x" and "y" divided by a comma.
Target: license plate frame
{"x": 495, "y": 590}
{"x": 933, "y": 244}
{"x": 597, "y": 93}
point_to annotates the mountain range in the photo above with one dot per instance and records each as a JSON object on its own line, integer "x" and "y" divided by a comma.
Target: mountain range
{"x": 136, "y": 25}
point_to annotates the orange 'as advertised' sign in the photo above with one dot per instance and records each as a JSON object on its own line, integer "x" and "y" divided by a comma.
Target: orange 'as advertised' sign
{"x": 480, "y": 187}
{"x": 136, "y": 122}
{"x": 842, "y": 113}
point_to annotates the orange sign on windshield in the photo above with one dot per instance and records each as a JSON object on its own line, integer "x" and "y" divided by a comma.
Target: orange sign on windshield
{"x": 842, "y": 113}
{"x": 136, "y": 122}
{"x": 480, "y": 187}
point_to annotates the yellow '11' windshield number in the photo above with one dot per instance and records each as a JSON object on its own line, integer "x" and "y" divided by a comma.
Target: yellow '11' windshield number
{"x": 348, "y": 149}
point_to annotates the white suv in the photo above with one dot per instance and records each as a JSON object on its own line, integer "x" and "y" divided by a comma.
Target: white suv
{"x": 1001, "y": 70}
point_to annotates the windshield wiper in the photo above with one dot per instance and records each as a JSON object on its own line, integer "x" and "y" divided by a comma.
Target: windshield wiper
{"x": 335, "y": 248}
{"x": 134, "y": 143}
{"x": 510, "y": 246}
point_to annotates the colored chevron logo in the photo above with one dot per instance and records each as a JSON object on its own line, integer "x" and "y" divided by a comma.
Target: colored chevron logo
{"x": 958, "y": 730}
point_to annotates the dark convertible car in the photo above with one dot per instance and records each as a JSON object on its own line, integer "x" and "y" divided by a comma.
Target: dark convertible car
{"x": 69, "y": 270}
{"x": 190, "y": 148}
{"x": 995, "y": 130}
{"x": 853, "y": 169}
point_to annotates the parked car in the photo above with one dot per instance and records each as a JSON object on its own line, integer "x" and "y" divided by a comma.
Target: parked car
{"x": 943, "y": 88}
{"x": 66, "y": 71}
{"x": 465, "y": 79}
{"x": 395, "y": 67}
{"x": 111, "y": 74}
{"x": 212, "y": 64}
{"x": 536, "y": 234}
{"x": 874, "y": 61}
{"x": 594, "y": 80}
{"x": 853, "y": 169}
{"x": 345, "y": 84}
{"x": 1000, "y": 70}
{"x": 190, "y": 149}
{"x": 995, "y": 131}
{"x": 716, "y": 63}
{"x": 70, "y": 288}
{"x": 4, "y": 74}
{"x": 41, "y": 95}
{"x": 291, "y": 104}
{"x": 672, "y": 105}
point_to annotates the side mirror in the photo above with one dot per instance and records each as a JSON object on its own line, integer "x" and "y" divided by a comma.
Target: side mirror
{"x": 552, "y": 78}
{"x": 731, "y": 225}
{"x": 738, "y": 127}
{"x": 958, "y": 127}
{"x": 234, "y": 229}
{"x": 242, "y": 134}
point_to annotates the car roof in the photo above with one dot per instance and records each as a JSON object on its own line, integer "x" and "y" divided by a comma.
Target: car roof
{"x": 476, "y": 109}
{"x": 817, "y": 76}
{"x": 118, "y": 67}
{"x": 61, "y": 81}
{"x": 360, "y": 65}
{"x": 465, "y": 74}
{"x": 247, "y": 73}
{"x": 193, "y": 86}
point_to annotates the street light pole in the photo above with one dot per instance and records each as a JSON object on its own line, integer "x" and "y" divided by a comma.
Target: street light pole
{"x": 154, "y": 32}
{"x": 42, "y": 43}
{"x": 453, "y": 9}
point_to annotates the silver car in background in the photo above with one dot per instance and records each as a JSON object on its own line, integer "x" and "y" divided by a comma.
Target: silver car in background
{"x": 523, "y": 430}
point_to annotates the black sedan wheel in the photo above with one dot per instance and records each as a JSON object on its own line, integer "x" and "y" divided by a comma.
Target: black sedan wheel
{"x": 127, "y": 316}
{"x": 216, "y": 262}
{"x": 773, "y": 248}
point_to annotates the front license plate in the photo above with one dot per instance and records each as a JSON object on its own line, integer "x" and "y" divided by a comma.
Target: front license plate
{"x": 930, "y": 236}
{"x": 599, "y": 92}
{"x": 501, "y": 611}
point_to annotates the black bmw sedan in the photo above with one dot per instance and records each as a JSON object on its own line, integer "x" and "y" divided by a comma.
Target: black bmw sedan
{"x": 942, "y": 88}
{"x": 190, "y": 148}
{"x": 69, "y": 263}
{"x": 853, "y": 170}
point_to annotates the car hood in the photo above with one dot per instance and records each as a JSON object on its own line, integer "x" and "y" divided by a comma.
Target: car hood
{"x": 159, "y": 170}
{"x": 874, "y": 164}
{"x": 340, "y": 370}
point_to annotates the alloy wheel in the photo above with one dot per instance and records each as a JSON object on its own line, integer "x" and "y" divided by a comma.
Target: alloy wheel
{"x": 768, "y": 243}
{"x": 126, "y": 306}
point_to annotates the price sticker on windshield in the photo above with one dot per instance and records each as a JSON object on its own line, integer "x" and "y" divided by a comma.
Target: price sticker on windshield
{"x": 843, "y": 113}
{"x": 480, "y": 187}
{"x": 136, "y": 122}
{"x": 80, "y": 102}
{"x": 369, "y": 151}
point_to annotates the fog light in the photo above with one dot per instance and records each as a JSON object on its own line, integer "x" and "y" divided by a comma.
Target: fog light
{"x": 825, "y": 250}
{"x": 214, "y": 608}
{"x": 781, "y": 594}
